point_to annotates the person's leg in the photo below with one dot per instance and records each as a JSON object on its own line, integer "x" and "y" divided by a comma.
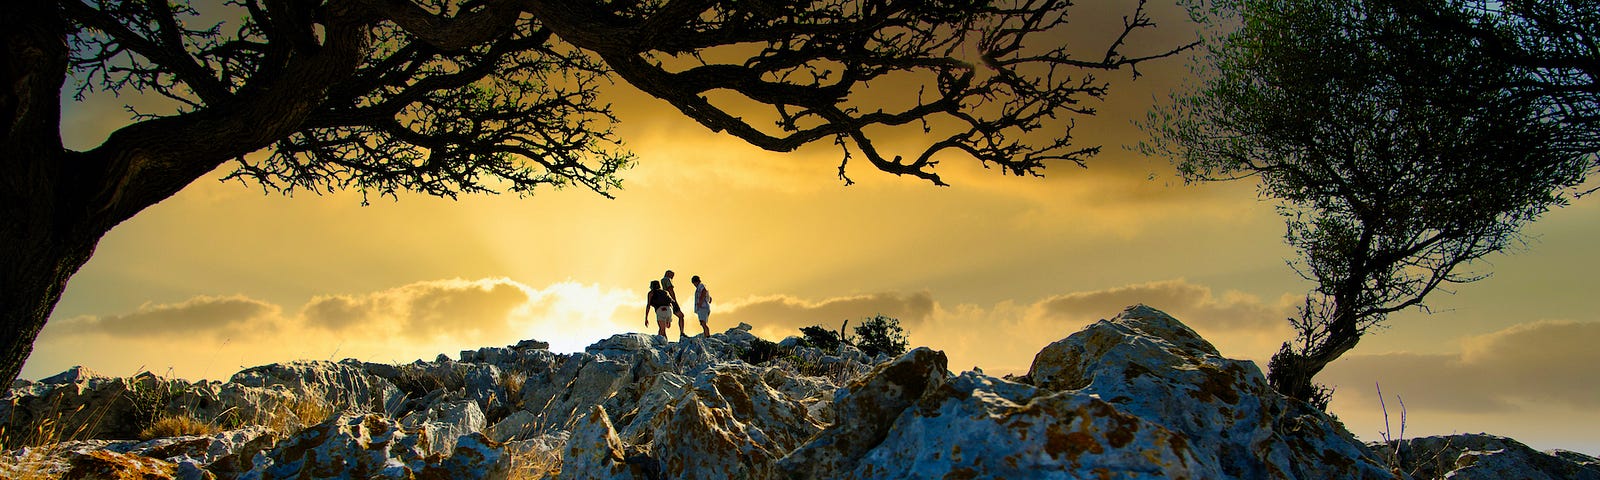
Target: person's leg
{"x": 703, "y": 317}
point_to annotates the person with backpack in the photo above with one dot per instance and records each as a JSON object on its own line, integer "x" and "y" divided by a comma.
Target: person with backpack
{"x": 659, "y": 301}
{"x": 702, "y": 305}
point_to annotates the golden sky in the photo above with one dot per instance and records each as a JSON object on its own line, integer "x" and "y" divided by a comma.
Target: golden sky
{"x": 223, "y": 277}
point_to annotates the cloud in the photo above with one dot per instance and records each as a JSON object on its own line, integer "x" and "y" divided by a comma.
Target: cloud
{"x": 1002, "y": 338}
{"x": 1538, "y": 363}
{"x": 1240, "y": 325}
{"x": 457, "y": 307}
{"x": 400, "y": 324}
{"x": 781, "y": 316}
{"x": 422, "y": 319}
{"x": 217, "y": 317}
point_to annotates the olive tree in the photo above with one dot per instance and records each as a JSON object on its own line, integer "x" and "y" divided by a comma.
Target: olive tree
{"x": 1398, "y": 155}
{"x": 1553, "y": 40}
{"x": 461, "y": 96}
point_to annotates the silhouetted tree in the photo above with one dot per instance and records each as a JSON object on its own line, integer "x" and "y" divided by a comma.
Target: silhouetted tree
{"x": 1552, "y": 40}
{"x": 880, "y": 334}
{"x": 451, "y": 96}
{"x": 1397, "y": 155}
{"x": 820, "y": 338}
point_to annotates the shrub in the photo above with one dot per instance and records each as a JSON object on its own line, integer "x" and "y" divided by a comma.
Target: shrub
{"x": 820, "y": 338}
{"x": 761, "y": 351}
{"x": 881, "y": 334}
{"x": 167, "y": 426}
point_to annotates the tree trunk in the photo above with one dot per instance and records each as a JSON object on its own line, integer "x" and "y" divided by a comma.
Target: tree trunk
{"x": 45, "y": 231}
{"x": 1291, "y": 372}
{"x": 34, "y": 268}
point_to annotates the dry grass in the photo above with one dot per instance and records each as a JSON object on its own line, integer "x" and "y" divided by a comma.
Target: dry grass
{"x": 534, "y": 464}
{"x": 33, "y": 453}
{"x": 180, "y": 425}
{"x": 512, "y": 383}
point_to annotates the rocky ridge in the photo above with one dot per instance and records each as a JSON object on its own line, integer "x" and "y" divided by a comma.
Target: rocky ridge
{"x": 1137, "y": 395}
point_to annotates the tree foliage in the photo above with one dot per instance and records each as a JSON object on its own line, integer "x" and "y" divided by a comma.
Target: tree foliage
{"x": 451, "y": 96}
{"x": 880, "y": 335}
{"x": 1398, "y": 154}
{"x": 820, "y": 338}
{"x": 1553, "y": 40}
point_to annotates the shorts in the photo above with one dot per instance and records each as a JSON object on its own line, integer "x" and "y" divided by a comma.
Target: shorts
{"x": 664, "y": 315}
{"x": 703, "y": 314}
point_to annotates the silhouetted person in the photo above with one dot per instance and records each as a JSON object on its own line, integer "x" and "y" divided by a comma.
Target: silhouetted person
{"x": 659, "y": 301}
{"x": 666, "y": 284}
{"x": 702, "y": 304}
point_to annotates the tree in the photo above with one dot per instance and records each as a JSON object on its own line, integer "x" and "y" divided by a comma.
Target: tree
{"x": 1553, "y": 40}
{"x": 880, "y": 335}
{"x": 463, "y": 96}
{"x": 1397, "y": 153}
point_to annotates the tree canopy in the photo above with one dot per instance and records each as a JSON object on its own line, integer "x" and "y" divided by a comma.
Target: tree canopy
{"x": 1399, "y": 154}
{"x": 452, "y": 96}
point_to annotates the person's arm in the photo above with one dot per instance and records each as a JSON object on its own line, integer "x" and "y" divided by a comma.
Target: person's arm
{"x": 700, "y": 297}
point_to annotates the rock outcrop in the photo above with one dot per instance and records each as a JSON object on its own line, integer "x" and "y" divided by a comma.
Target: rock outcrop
{"x": 1139, "y": 395}
{"x": 1485, "y": 457}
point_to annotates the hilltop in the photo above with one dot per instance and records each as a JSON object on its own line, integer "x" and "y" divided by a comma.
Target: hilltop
{"x": 1137, "y": 395}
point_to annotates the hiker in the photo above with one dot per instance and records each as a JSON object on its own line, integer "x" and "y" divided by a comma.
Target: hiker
{"x": 666, "y": 284}
{"x": 662, "y": 304}
{"x": 702, "y": 304}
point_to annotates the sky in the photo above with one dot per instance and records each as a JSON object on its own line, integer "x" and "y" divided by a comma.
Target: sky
{"x": 223, "y": 276}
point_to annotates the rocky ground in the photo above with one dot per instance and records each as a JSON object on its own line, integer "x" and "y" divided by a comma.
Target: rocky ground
{"x": 1139, "y": 395}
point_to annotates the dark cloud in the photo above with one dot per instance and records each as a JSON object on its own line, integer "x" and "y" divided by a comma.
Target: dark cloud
{"x": 782, "y": 316}
{"x": 215, "y": 316}
{"x": 1537, "y": 363}
{"x": 424, "y": 309}
{"x": 1195, "y": 305}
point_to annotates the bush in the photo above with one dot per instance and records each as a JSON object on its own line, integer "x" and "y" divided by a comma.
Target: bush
{"x": 881, "y": 334}
{"x": 168, "y": 426}
{"x": 761, "y": 351}
{"x": 820, "y": 338}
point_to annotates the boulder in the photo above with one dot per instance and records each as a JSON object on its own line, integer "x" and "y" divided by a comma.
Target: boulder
{"x": 101, "y": 464}
{"x": 445, "y": 422}
{"x": 1136, "y": 395}
{"x": 730, "y": 424}
{"x": 982, "y": 427}
{"x": 865, "y": 411}
{"x": 636, "y": 407}
{"x": 519, "y": 425}
{"x": 373, "y": 447}
{"x": 1485, "y": 457}
{"x": 586, "y": 380}
{"x": 345, "y": 385}
{"x": 1151, "y": 366}
{"x": 594, "y": 452}
{"x": 474, "y": 457}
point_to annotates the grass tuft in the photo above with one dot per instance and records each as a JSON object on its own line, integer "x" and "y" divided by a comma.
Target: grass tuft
{"x": 181, "y": 425}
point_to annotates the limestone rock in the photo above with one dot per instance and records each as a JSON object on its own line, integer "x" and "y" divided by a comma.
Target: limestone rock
{"x": 635, "y": 408}
{"x": 594, "y": 452}
{"x": 1485, "y": 457}
{"x": 99, "y": 464}
{"x": 348, "y": 446}
{"x": 731, "y": 424}
{"x": 474, "y": 457}
{"x": 445, "y": 423}
{"x": 519, "y": 425}
{"x": 346, "y": 385}
{"x": 866, "y": 411}
{"x": 203, "y": 449}
{"x": 981, "y": 427}
{"x": 1137, "y": 395}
